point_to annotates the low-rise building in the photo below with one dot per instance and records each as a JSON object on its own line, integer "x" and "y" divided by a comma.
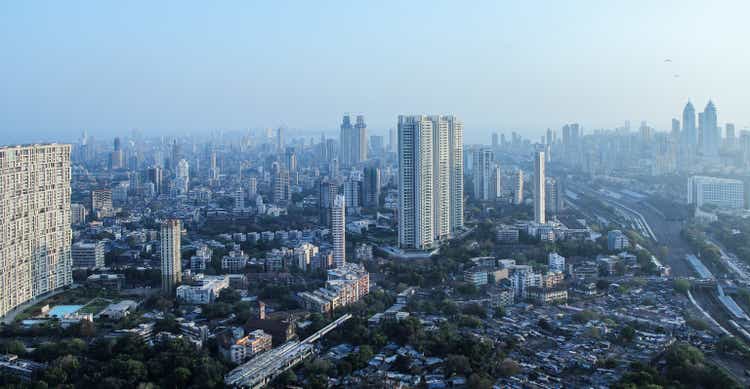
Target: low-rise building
{"x": 250, "y": 345}
{"x": 542, "y": 296}
{"x": 89, "y": 255}
{"x": 24, "y": 370}
{"x": 203, "y": 290}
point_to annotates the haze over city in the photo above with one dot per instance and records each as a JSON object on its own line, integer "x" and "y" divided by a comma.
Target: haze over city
{"x": 417, "y": 194}
{"x": 176, "y": 67}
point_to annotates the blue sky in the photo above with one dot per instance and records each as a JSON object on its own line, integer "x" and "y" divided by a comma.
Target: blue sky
{"x": 175, "y": 67}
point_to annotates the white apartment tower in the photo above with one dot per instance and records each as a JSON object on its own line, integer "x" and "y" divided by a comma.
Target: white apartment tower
{"x": 35, "y": 235}
{"x": 430, "y": 150}
{"x": 518, "y": 187}
{"x": 482, "y": 168}
{"x": 539, "y": 188}
{"x": 338, "y": 230}
{"x": 171, "y": 260}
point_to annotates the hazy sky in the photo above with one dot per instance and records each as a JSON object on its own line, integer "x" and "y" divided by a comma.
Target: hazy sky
{"x": 176, "y": 67}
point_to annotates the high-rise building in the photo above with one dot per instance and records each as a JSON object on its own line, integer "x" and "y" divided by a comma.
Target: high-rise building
{"x": 494, "y": 140}
{"x": 171, "y": 259}
{"x": 711, "y": 136}
{"x": 689, "y": 129}
{"x": 518, "y": 187}
{"x": 377, "y": 148}
{"x": 675, "y": 128}
{"x": 329, "y": 189}
{"x": 730, "y": 136}
{"x": 353, "y": 140}
{"x": 280, "y": 139}
{"x": 281, "y": 188}
{"x": 35, "y": 234}
{"x": 116, "y": 157}
{"x": 239, "y": 199}
{"x": 77, "y": 214}
{"x": 371, "y": 187}
{"x": 156, "y": 177}
{"x": 554, "y": 196}
{"x": 392, "y": 140}
{"x": 252, "y": 186}
{"x": 496, "y": 185}
{"x": 482, "y": 168}
{"x": 430, "y": 179}
{"x": 338, "y": 230}
{"x": 213, "y": 171}
{"x": 539, "y": 188}
{"x": 101, "y": 202}
{"x": 353, "y": 195}
{"x": 182, "y": 180}
{"x": 290, "y": 159}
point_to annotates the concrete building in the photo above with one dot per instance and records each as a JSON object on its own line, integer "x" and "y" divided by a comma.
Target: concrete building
{"x": 556, "y": 263}
{"x": 371, "y": 187}
{"x": 338, "y": 230}
{"x": 720, "y": 192}
{"x": 89, "y": 255}
{"x": 518, "y": 187}
{"x": 430, "y": 179}
{"x": 77, "y": 214}
{"x": 101, "y": 203}
{"x": 247, "y": 347}
{"x": 483, "y": 170}
{"x": 616, "y": 240}
{"x": 171, "y": 259}
{"x": 35, "y": 234}
{"x": 540, "y": 185}
{"x": 353, "y": 140}
{"x": 203, "y": 289}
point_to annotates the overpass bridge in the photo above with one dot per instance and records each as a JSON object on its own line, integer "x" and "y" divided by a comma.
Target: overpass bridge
{"x": 262, "y": 369}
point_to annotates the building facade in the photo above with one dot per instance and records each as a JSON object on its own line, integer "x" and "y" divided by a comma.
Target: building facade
{"x": 540, "y": 185}
{"x": 338, "y": 230}
{"x": 171, "y": 259}
{"x": 430, "y": 157}
{"x": 35, "y": 234}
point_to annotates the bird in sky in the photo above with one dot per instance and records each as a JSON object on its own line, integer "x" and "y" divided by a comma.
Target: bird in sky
{"x": 667, "y": 60}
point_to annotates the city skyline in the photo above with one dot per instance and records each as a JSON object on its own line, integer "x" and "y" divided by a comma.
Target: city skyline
{"x": 241, "y": 75}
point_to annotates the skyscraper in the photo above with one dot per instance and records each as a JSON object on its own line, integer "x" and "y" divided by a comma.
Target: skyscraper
{"x": 496, "y": 185}
{"x": 730, "y": 136}
{"x": 338, "y": 230}
{"x": 329, "y": 189}
{"x": 116, "y": 158}
{"x": 353, "y": 140}
{"x": 539, "y": 188}
{"x": 171, "y": 260}
{"x": 689, "y": 130}
{"x": 371, "y": 187}
{"x": 711, "y": 135}
{"x": 155, "y": 176}
{"x": 35, "y": 235}
{"x": 482, "y": 174}
{"x": 430, "y": 179}
{"x": 281, "y": 188}
{"x": 675, "y": 128}
{"x": 182, "y": 180}
{"x": 518, "y": 187}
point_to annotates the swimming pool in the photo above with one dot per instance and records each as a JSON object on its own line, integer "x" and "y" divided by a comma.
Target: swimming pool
{"x": 61, "y": 311}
